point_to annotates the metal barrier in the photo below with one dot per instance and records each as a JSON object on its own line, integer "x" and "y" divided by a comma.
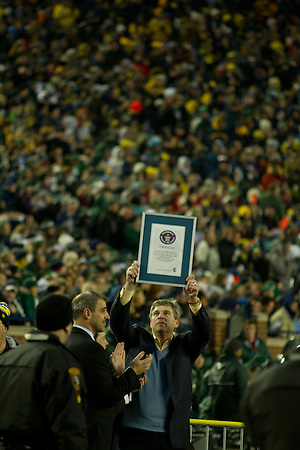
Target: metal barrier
{"x": 210, "y": 425}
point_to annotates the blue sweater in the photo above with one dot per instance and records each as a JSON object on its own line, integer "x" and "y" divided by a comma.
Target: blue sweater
{"x": 151, "y": 406}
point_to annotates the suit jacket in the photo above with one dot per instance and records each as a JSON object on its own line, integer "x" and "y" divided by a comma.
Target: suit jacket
{"x": 183, "y": 351}
{"x": 104, "y": 389}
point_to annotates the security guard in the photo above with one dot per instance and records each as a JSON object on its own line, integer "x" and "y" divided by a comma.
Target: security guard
{"x": 41, "y": 386}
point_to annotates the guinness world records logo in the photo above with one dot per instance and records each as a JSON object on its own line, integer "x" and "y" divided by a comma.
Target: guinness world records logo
{"x": 167, "y": 237}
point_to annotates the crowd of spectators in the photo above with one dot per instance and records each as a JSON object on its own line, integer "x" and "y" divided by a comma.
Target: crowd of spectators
{"x": 109, "y": 109}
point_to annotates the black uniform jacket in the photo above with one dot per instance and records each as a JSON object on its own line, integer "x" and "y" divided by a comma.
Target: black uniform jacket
{"x": 104, "y": 389}
{"x": 42, "y": 395}
{"x": 270, "y": 406}
{"x": 183, "y": 351}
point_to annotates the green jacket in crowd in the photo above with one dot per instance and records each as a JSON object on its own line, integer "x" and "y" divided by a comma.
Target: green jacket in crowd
{"x": 224, "y": 384}
{"x": 254, "y": 359}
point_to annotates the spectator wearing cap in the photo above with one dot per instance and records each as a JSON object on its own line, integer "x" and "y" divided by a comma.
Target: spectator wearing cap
{"x": 42, "y": 393}
{"x": 223, "y": 171}
{"x": 9, "y": 295}
{"x": 6, "y": 342}
{"x": 225, "y": 384}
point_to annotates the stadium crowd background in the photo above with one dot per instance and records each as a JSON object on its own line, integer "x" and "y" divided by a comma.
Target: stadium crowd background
{"x": 112, "y": 108}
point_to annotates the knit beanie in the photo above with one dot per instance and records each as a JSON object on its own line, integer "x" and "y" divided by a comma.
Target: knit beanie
{"x": 4, "y": 314}
{"x": 53, "y": 312}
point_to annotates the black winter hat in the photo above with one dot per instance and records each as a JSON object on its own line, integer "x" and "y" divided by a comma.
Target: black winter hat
{"x": 53, "y": 312}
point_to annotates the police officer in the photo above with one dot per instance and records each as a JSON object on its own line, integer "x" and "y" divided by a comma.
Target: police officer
{"x": 41, "y": 385}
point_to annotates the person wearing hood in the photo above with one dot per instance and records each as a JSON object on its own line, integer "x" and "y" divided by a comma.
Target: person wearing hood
{"x": 285, "y": 320}
{"x": 225, "y": 384}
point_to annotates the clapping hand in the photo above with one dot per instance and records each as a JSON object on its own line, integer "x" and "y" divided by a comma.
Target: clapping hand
{"x": 117, "y": 359}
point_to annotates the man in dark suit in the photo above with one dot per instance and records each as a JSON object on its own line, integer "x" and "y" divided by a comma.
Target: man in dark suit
{"x": 104, "y": 389}
{"x": 158, "y": 416}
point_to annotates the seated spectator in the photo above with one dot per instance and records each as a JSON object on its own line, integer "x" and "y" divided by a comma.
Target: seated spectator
{"x": 9, "y": 294}
{"x": 248, "y": 307}
{"x": 235, "y": 298}
{"x": 268, "y": 306}
{"x": 6, "y": 342}
{"x": 285, "y": 321}
{"x": 255, "y": 354}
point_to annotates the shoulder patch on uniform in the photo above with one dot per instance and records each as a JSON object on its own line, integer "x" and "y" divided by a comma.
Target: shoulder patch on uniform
{"x": 75, "y": 378}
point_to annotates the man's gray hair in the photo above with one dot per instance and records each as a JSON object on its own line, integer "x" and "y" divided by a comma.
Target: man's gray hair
{"x": 87, "y": 299}
{"x": 167, "y": 302}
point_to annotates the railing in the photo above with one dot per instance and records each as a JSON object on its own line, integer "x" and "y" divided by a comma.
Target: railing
{"x": 210, "y": 425}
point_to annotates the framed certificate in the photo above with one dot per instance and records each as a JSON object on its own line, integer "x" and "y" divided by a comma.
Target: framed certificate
{"x": 166, "y": 248}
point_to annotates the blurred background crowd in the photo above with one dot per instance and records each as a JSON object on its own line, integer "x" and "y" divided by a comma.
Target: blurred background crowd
{"x": 112, "y": 108}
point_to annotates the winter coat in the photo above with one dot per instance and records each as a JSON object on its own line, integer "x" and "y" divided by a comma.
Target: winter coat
{"x": 42, "y": 396}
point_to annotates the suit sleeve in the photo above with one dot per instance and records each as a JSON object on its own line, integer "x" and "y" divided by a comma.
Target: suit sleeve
{"x": 106, "y": 389}
{"x": 200, "y": 335}
{"x": 120, "y": 323}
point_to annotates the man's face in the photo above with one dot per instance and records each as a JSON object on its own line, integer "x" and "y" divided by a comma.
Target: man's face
{"x": 99, "y": 317}
{"x": 250, "y": 332}
{"x": 9, "y": 295}
{"x": 163, "y": 320}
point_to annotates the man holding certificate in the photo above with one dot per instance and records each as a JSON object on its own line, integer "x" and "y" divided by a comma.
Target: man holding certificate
{"x": 158, "y": 417}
